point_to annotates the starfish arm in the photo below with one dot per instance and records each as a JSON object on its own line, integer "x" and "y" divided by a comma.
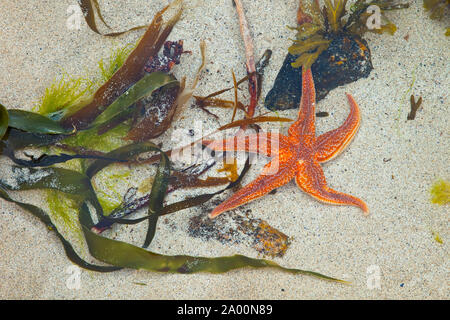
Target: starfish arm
{"x": 305, "y": 124}
{"x": 332, "y": 143}
{"x": 268, "y": 144}
{"x": 262, "y": 185}
{"x": 311, "y": 179}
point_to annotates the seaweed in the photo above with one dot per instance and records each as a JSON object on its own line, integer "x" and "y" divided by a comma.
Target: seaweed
{"x": 131, "y": 71}
{"x": 329, "y": 41}
{"x": 440, "y": 192}
{"x": 437, "y": 10}
{"x": 72, "y": 121}
{"x": 88, "y": 8}
{"x": 4, "y": 120}
{"x": 115, "y": 61}
{"x": 63, "y": 94}
{"x": 316, "y": 25}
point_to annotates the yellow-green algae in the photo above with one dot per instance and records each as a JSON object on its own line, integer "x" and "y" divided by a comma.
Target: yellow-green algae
{"x": 69, "y": 92}
{"x": 64, "y": 94}
{"x": 107, "y": 194}
{"x": 106, "y": 142}
{"x": 115, "y": 61}
{"x": 440, "y": 192}
{"x": 63, "y": 210}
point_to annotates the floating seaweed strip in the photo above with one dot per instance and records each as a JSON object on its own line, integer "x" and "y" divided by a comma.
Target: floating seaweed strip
{"x": 127, "y": 153}
{"x": 18, "y": 139}
{"x": 87, "y": 7}
{"x": 68, "y": 248}
{"x": 49, "y": 160}
{"x": 71, "y": 182}
{"x": 64, "y": 180}
{"x": 157, "y": 195}
{"x": 130, "y": 72}
{"x": 19, "y": 128}
{"x": 122, "y": 254}
{"x": 4, "y": 120}
{"x": 34, "y": 123}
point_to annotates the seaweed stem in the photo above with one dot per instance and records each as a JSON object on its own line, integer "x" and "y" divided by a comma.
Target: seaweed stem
{"x": 249, "y": 54}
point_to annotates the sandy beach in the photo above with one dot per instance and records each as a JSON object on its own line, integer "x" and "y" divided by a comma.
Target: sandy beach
{"x": 391, "y": 164}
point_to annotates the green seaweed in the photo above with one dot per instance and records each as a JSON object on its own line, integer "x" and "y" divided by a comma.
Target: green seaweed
{"x": 440, "y": 192}
{"x": 63, "y": 211}
{"x": 106, "y": 142}
{"x": 70, "y": 193}
{"x": 34, "y": 122}
{"x": 4, "y": 121}
{"x": 108, "y": 196}
{"x": 64, "y": 93}
{"x": 113, "y": 63}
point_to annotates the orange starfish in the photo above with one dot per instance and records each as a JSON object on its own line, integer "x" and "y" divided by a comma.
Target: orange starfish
{"x": 297, "y": 155}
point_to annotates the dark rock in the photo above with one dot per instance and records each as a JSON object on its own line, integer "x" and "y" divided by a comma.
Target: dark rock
{"x": 346, "y": 60}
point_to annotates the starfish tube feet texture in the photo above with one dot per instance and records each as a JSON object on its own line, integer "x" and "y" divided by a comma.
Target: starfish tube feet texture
{"x": 297, "y": 155}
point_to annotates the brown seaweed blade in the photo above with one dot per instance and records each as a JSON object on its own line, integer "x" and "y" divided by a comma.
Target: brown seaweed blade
{"x": 131, "y": 71}
{"x": 158, "y": 117}
{"x": 4, "y": 120}
{"x": 87, "y": 8}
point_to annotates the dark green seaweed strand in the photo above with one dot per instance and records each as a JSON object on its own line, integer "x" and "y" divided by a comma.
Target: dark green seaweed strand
{"x": 70, "y": 251}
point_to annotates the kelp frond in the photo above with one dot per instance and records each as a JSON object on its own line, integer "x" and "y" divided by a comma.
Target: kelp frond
{"x": 316, "y": 25}
{"x": 63, "y": 94}
{"x": 440, "y": 192}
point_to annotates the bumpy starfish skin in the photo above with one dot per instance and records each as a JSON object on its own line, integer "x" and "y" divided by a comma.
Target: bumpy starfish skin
{"x": 297, "y": 155}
